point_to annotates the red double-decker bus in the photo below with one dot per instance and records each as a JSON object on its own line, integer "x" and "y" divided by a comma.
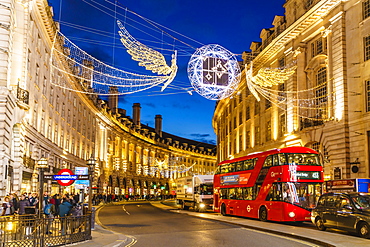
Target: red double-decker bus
{"x": 277, "y": 185}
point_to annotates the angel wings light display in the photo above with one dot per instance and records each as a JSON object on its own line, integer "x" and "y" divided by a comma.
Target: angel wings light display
{"x": 69, "y": 59}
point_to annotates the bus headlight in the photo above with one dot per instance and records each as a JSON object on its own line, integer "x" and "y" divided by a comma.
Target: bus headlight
{"x": 202, "y": 205}
{"x": 291, "y": 214}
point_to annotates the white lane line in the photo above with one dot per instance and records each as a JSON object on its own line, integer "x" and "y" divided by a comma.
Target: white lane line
{"x": 124, "y": 209}
{"x": 285, "y": 237}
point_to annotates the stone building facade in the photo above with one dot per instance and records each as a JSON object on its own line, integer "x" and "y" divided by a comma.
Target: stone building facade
{"x": 329, "y": 42}
{"x": 39, "y": 119}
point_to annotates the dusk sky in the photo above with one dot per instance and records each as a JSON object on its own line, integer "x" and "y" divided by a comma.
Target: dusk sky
{"x": 179, "y": 25}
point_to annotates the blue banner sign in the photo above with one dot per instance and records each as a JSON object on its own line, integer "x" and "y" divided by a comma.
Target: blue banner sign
{"x": 232, "y": 179}
{"x": 65, "y": 177}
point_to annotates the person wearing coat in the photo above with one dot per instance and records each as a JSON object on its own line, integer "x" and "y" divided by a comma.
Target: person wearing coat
{"x": 64, "y": 209}
{"x": 23, "y": 203}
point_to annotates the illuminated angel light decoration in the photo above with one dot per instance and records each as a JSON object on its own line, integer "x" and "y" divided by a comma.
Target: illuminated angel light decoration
{"x": 310, "y": 103}
{"x": 147, "y": 57}
{"x": 267, "y": 77}
{"x": 214, "y": 72}
{"x": 95, "y": 77}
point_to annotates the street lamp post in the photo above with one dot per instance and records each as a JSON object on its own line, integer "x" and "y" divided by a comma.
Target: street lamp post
{"x": 42, "y": 164}
{"x": 91, "y": 164}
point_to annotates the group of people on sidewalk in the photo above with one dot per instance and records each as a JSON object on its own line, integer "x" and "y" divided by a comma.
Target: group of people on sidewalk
{"x": 52, "y": 206}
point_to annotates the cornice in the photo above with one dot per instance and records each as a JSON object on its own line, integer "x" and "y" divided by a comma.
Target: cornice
{"x": 314, "y": 15}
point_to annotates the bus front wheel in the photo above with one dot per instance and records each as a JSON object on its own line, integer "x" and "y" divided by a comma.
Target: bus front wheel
{"x": 263, "y": 214}
{"x": 223, "y": 209}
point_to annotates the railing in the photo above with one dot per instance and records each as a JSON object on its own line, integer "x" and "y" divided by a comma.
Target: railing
{"x": 30, "y": 230}
{"x": 307, "y": 123}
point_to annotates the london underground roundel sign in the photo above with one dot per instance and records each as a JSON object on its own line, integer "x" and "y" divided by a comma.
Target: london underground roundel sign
{"x": 65, "y": 177}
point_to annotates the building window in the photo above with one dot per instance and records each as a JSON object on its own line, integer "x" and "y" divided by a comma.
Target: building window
{"x": 256, "y": 108}
{"x": 318, "y": 47}
{"x": 321, "y": 93}
{"x": 247, "y": 113}
{"x": 367, "y": 86}
{"x": 240, "y": 117}
{"x": 367, "y": 47}
{"x": 309, "y": 4}
{"x": 316, "y": 146}
{"x": 366, "y": 8}
{"x": 248, "y": 139}
{"x": 282, "y": 123}
{"x": 268, "y": 131}
{"x": 257, "y": 135}
{"x": 281, "y": 92}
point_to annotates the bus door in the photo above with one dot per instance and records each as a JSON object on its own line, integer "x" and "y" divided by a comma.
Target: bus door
{"x": 274, "y": 202}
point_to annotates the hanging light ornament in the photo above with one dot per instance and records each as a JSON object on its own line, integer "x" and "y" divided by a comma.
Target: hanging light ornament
{"x": 95, "y": 77}
{"x": 147, "y": 57}
{"x": 214, "y": 72}
{"x": 308, "y": 102}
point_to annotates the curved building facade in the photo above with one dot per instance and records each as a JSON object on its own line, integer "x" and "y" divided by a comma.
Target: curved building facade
{"x": 67, "y": 127}
{"x": 323, "y": 105}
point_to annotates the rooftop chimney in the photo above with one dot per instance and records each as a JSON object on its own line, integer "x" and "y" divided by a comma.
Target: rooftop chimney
{"x": 158, "y": 125}
{"x": 136, "y": 113}
{"x": 113, "y": 99}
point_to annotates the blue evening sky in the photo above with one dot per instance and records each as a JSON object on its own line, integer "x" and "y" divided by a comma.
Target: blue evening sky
{"x": 186, "y": 25}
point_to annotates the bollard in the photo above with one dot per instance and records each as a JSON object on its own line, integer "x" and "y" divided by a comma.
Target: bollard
{"x": 92, "y": 218}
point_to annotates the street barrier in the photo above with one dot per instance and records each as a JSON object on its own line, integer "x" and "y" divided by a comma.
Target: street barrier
{"x": 30, "y": 230}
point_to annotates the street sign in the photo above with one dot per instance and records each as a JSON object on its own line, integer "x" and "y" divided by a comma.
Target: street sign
{"x": 83, "y": 173}
{"x": 65, "y": 177}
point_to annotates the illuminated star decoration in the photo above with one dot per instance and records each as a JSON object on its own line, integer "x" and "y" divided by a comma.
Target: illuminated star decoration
{"x": 214, "y": 72}
{"x": 147, "y": 57}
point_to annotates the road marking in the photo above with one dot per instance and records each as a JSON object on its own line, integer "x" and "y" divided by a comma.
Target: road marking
{"x": 285, "y": 237}
{"x": 124, "y": 209}
{"x": 133, "y": 242}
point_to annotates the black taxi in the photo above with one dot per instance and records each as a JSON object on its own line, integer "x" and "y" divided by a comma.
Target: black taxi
{"x": 346, "y": 211}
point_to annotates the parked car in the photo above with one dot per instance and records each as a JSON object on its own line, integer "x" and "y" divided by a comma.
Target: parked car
{"x": 346, "y": 211}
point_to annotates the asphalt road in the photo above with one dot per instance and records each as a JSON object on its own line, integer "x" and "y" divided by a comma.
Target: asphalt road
{"x": 151, "y": 227}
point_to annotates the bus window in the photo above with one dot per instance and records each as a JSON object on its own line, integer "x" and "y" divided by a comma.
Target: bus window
{"x": 218, "y": 170}
{"x": 268, "y": 161}
{"x": 232, "y": 167}
{"x": 282, "y": 159}
{"x": 302, "y": 194}
{"x": 304, "y": 159}
{"x": 238, "y": 194}
{"x": 239, "y": 166}
{"x": 276, "y": 160}
{"x": 262, "y": 175}
{"x": 232, "y": 194}
{"x": 274, "y": 193}
{"x": 248, "y": 193}
{"x": 223, "y": 193}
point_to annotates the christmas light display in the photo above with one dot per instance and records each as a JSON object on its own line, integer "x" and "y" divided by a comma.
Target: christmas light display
{"x": 310, "y": 103}
{"x": 214, "y": 72}
{"x": 96, "y": 77}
